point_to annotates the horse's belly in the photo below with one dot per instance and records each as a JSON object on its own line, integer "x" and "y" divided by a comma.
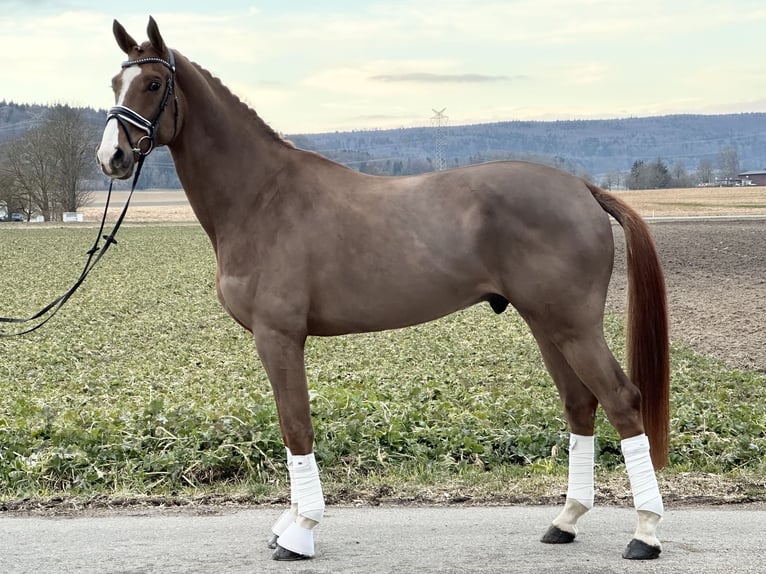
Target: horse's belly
{"x": 382, "y": 308}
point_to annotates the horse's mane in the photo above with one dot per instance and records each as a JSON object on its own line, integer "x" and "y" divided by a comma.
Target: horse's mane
{"x": 222, "y": 88}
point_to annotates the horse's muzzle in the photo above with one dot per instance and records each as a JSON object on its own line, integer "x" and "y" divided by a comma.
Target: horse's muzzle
{"x": 117, "y": 165}
{"x": 114, "y": 156}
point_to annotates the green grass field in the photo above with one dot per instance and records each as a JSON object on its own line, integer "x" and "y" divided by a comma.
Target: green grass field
{"x": 143, "y": 385}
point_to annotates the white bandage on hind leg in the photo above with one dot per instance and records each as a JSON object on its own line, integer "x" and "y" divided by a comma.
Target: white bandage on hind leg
{"x": 581, "y": 453}
{"x": 643, "y": 481}
{"x": 307, "y": 490}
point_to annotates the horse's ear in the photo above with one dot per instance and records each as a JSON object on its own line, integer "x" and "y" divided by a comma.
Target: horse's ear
{"x": 124, "y": 40}
{"x": 155, "y": 37}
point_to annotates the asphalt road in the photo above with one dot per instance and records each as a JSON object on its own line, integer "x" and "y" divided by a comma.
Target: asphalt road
{"x": 382, "y": 539}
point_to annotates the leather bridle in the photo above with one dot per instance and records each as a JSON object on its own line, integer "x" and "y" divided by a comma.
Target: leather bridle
{"x": 125, "y": 116}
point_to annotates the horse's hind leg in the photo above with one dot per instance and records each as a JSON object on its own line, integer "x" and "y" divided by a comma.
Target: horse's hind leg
{"x": 580, "y": 409}
{"x": 587, "y": 354}
{"x": 586, "y": 373}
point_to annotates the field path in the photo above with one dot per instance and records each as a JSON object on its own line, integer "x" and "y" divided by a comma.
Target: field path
{"x": 172, "y": 206}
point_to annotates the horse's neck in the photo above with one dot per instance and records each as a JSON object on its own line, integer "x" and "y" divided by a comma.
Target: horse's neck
{"x": 224, "y": 153}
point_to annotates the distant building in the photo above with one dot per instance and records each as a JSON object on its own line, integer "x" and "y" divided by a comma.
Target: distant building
{"x": 757, "y": 177}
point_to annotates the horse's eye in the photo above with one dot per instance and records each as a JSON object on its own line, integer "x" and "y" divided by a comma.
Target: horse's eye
{"x": 154, "y": 86}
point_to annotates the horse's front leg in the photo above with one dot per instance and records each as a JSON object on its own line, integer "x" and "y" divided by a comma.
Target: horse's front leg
{"x": 282, "y": 355}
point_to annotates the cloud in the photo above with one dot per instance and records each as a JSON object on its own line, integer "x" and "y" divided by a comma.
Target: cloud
{"x": 428, "y": 78}
{"x": 388, "y": 62}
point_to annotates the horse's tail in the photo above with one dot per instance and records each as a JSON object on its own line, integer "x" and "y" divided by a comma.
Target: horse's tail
{"x": 647, "y": 329}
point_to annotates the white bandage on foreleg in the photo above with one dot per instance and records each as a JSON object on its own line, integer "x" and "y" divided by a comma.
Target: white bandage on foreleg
{"x": 293, "y": 497}
{"x": 581, "y": 455}
{"x": 643, "y": 481}
{"x": 307, "y": 489}
{"x": 289, "y": 515}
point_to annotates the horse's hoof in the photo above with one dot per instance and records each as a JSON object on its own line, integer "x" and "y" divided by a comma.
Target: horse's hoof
{"x": 285, "y": 555}
{"x": 272, "y": 543}
{"x": 554, "y": 535}
{"x": 638, "y": 550}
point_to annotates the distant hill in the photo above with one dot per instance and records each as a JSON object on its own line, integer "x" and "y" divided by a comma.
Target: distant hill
{"x": 593, "y": 147}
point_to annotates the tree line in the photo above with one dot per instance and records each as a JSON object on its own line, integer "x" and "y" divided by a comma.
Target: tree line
{"x": 658, "y": 174}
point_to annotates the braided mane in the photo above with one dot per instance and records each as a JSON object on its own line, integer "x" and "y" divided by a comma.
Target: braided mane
{"x": 221, "y": 88}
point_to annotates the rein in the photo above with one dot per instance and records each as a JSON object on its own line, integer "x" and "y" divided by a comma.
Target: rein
{"x": 95, "y": 253}
{"x": 124, "y": 116}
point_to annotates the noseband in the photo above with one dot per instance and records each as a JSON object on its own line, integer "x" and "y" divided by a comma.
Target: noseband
{"x": 125, "y": 115}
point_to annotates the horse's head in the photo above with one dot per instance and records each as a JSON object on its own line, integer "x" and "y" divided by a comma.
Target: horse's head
{"x": 145, "y": 113}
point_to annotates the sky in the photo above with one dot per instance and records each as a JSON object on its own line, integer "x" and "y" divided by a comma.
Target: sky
{"x": 317, "y": 66}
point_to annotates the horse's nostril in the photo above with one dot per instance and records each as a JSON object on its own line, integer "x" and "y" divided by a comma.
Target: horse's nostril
{"x": 119, "y": 161}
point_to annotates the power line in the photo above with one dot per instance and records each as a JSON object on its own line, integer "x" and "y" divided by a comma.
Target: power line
{"x": 438, "y": 121}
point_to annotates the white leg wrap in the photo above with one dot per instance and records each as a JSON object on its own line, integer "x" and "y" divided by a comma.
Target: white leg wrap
{"x": 581, "y": 455}
{"x": 289, "y": 515}
{"x": 293, "y": 499}
{"x": 580, "y": 488}
{"x": 643, "y": 481}
{"x": 307, "y": 490}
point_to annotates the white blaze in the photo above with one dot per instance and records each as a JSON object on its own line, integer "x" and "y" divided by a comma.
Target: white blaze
{"x": 112, "y": 129}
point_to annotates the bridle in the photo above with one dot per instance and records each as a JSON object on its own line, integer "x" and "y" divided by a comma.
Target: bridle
{"x": 124, "y": 116}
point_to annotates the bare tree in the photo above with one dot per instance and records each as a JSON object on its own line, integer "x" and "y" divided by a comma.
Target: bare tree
{"x": 678, "y": 175}
{"x": 71, "y": 142}
{"x": 611, "y": 180}
{"x": 8, "y": 200}
{"x": 31, "y": 173}
{"x": 46, "y": 166}
{"x": 728, "y": 162}
{"x": 705, "y": 171}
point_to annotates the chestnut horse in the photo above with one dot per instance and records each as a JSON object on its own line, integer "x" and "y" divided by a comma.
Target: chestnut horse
{"x": 306, "y": 246}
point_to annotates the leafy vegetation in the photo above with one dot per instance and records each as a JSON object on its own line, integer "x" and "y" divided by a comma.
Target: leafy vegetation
{"x": 143, "y": 385}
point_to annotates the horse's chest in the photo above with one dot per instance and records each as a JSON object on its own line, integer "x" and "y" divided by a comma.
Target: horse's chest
{"x": 233, "y": 295}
